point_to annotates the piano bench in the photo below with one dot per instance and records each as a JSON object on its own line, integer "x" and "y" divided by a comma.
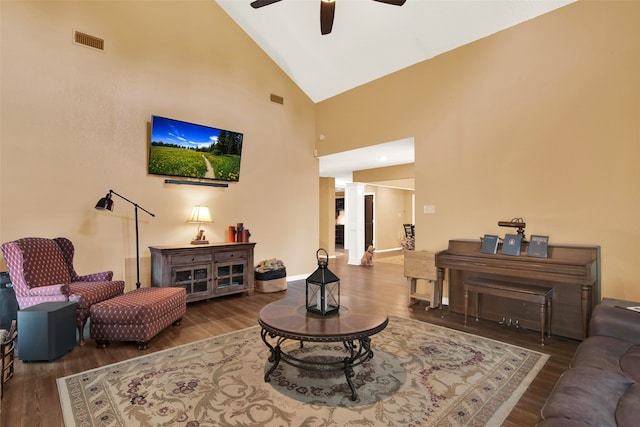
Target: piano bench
{"x": 518, "y": 291}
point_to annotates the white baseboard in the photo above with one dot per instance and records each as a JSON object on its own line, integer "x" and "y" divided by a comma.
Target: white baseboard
{"x": 389, "y": 250}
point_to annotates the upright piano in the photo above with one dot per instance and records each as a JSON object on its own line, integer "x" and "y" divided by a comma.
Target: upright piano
{"x": 573, "y": 271}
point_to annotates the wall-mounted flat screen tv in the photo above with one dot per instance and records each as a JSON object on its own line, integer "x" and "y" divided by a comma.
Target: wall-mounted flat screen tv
{"x": 188, "y": 150}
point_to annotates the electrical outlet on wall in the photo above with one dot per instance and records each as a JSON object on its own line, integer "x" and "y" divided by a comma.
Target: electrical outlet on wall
{"x": 429, "y": 209}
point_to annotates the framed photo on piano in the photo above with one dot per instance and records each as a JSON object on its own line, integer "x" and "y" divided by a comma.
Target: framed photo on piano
{"x": 489, "y": 244}
{"x": 538, "y": 246}
{"x": 511, "y": 244}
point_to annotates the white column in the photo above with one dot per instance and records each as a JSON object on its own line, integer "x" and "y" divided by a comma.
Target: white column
{"x": 354, "y": 221}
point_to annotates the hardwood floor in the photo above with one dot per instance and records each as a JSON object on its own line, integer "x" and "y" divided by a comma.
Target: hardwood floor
{"x": 31, "y": 396}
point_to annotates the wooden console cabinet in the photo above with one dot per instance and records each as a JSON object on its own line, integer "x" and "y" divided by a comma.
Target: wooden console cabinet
{"x": 204, "y": 271}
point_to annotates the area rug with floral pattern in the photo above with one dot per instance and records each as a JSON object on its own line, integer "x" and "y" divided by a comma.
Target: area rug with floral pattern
{"x": 420, "y": 375}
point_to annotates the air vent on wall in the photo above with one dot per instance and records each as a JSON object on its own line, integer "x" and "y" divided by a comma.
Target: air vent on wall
{"x": 87, "y": 40}
{"x": 277, "y": 99}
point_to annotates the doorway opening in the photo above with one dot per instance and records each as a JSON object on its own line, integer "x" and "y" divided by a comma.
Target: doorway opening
{"x": 368, "y": 220}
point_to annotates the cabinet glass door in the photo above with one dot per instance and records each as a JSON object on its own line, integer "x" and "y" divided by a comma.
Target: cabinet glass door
{"x": 194, "y": 280}
{"x": 231, "y": 277}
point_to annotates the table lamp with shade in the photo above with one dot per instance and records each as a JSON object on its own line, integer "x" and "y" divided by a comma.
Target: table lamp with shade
{"x": 200, "y": 214}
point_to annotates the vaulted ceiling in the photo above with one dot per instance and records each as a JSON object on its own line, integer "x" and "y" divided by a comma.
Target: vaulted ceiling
{"x": 369, "y": 40}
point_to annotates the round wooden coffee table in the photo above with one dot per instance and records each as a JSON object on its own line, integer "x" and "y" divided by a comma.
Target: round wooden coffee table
{"x": 288, "y": 319}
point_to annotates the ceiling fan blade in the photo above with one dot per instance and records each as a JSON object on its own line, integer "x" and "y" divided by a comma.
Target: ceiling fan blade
{"x": 393, "y": 2}
{"x": 327, "y": 11}
{"x": 259, "y": 3}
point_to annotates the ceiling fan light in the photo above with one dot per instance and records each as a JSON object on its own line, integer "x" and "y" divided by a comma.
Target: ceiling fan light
{"x": 327, "y": 12}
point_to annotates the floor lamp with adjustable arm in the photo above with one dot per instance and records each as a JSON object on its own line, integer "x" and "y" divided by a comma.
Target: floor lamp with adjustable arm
{"x": 107, "y": 203}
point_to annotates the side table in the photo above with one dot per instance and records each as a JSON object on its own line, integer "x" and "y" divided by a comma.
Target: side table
{"x": 47, "y": 331}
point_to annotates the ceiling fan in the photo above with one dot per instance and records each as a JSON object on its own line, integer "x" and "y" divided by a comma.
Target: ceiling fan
{"x": 327, "y": 10}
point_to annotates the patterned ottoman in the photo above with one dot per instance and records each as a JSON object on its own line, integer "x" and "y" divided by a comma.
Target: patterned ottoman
{"x": 138, "y": 315}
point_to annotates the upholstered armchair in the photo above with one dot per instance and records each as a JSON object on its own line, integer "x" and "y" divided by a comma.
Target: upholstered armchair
{"x": 41, "y": 270}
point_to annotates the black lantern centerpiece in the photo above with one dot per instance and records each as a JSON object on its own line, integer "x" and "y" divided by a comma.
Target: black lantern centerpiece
{"x": 323, "y": 288}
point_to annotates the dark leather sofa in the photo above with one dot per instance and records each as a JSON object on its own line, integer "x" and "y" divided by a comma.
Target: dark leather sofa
{"x": 601, "y": 386}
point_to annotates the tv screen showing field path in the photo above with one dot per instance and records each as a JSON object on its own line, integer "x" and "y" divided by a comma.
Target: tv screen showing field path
{"x": 194, "y": 151}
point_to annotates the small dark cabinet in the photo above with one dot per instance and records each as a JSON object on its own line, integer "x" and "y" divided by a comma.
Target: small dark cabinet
{"x": 8, "y": 306}
{"x": 47, "y": 331}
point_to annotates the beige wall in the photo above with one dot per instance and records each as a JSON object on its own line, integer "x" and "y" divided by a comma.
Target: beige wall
{"x": 394, "y": 176}
{"x": 388, "y": 173}
{"x": 538, "y": 121}
{"x": 75, "y": 124}
{"x": 327, "y": 224}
